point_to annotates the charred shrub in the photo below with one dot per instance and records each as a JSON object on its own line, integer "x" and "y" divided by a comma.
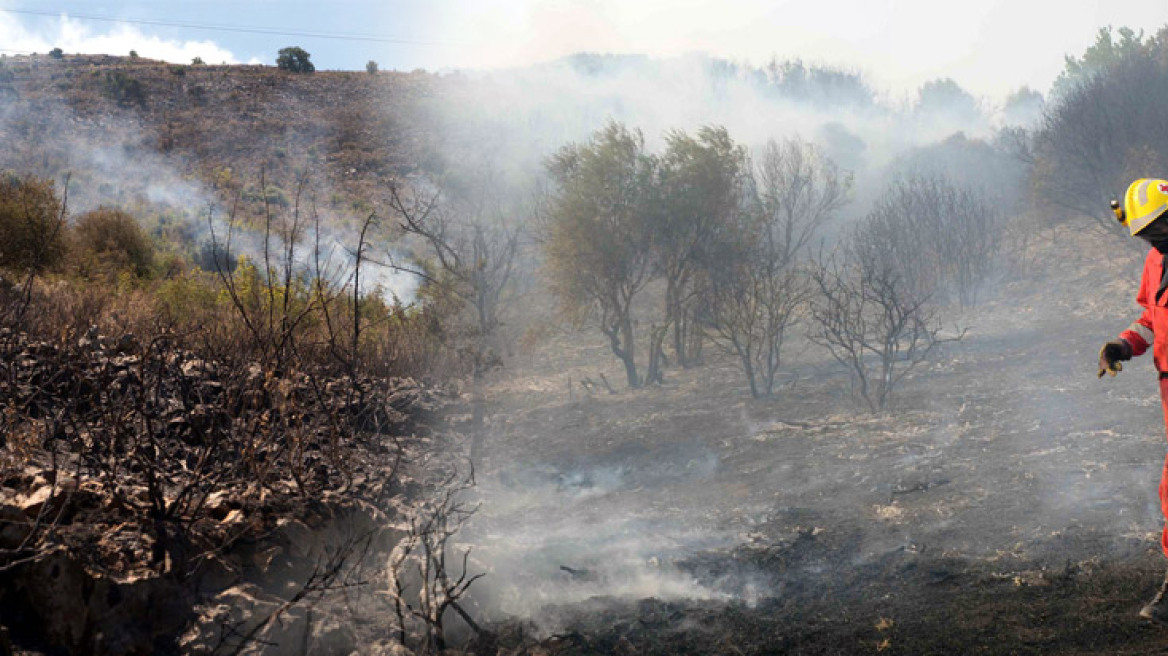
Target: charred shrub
{"x": 757, "y": 286}
{"x": 213, "y": 256}
{"x": 875, "y": 306}
{"x": 950, "y": 232}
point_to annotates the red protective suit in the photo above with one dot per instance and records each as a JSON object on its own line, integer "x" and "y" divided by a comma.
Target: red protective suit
{"x": 1151, "y": 329}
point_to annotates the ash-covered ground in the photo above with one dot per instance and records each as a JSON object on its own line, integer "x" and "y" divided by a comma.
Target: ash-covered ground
{"x": 1007, "y": 505}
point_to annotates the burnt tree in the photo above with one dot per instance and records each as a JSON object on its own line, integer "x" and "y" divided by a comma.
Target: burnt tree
{"x": 873, "y": 308}
{"x": 759, "y": 286}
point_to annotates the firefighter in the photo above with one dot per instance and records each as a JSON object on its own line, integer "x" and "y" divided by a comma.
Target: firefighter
{"x": 1144, "y": 212}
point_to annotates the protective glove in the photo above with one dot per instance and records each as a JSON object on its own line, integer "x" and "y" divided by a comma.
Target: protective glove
{"x": 1111, "y": 354}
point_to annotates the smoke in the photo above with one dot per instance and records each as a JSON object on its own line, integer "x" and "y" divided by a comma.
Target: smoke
{"x": 529, "y": 112}
{"x": 551, "y": 536}
{"x": 117, "y": 164}
{"x": 330, "y": 255}
{"x": 513, "y": 120}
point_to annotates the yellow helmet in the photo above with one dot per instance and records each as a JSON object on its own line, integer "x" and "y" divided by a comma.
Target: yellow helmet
{"x": 1145, "y": 201}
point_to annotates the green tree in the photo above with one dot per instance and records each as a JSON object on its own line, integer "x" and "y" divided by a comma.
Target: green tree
{"x": 294, "y": 59}
{"x": 598, "y": 235}
{"x": 215, "y": 257}
{"x": 701, "y": 183}
{"x": 1100, "y": 132}
{"x": 1106, "y": 52}
{"x": 197, "y": 61}
{"x": 125, "y": 90}
{"x": 944, "y": 97}
{"x": 1023, "y": 107}
{"x": 57, "y": 53}
{"x": 371, "y": 67}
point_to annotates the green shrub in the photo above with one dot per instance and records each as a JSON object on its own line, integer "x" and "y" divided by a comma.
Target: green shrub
{"x": 187, "y": 298}
{"x": 124, "y": 89}
{"x": 32, "y": 235}
{"x": 197, "y": 61}
{"x": 57, "y": 53}
{"x": 110, "y": 240}
{"x": 371, "y": 67}
{"x": 272, "y": 195}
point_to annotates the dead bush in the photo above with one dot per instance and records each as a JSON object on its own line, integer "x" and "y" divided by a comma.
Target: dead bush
{"x": 874, "y": 308}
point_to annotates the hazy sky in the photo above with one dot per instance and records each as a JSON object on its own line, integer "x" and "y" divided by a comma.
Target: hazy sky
{"x": 989, "y": 47}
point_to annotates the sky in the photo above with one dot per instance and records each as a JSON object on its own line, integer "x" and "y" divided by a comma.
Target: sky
{"x": 988, "y": 47}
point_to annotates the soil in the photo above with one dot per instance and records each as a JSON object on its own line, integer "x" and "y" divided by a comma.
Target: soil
{"x": 1006, "y": 505}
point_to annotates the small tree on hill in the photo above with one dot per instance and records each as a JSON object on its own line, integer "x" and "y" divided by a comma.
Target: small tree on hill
{"x": 944, "y": 97}
{"x": 57, "y": 53}
{"x": 371, "y": 67}
{"x": 294, "y": 59}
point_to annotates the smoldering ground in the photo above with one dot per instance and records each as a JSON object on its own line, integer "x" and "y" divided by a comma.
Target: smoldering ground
{"x": 1007, "y": 469}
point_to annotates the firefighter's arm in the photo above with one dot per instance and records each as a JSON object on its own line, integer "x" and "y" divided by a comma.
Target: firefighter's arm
{"x": 1134, "y": 341}
{"x": 1139, "y": 335}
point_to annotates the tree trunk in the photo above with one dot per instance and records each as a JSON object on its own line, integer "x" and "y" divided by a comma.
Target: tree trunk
{"x": 628, "y": 352}
{"x": 654, "y": 373}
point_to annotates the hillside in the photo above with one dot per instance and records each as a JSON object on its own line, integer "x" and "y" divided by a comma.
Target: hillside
{"x": 147, "y": 119}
